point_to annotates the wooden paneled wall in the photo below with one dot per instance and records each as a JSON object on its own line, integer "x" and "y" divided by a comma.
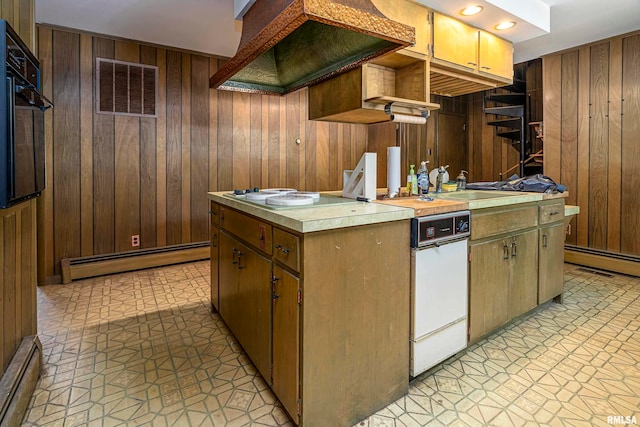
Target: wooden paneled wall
{"x": 111, "y": 177}
{"x": 592, "y": 139}
{"x": 17, "y": 278}
{"x": 20, "y": 14}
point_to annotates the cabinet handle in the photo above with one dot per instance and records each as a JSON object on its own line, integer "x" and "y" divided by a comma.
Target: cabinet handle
{"x": 544, "y": 240}
{"x": 213, "y": 213}
{"x": 505, "y": 250}
{"x": 240, "y": 267}
{"x": 484, "y": 67}
{"x": 233, "y": 256}
{"x": 282, "y": 249}
{"x": 472, "y": 63}
{"x": 222, "y": 216}
{"x": 514, "y": 248}
{"x": 214, "y": 240}
{"x": 554, "y": 213}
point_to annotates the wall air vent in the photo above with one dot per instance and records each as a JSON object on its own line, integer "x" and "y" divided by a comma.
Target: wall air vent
{"x": 126, "y": 88}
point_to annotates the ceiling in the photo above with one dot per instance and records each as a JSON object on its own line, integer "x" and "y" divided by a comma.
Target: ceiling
{"x": 208, "y": 26}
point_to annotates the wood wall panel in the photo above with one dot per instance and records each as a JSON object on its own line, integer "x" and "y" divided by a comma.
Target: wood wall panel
{"x": 127, "y": 164}
{"x": 596, "y": 108}
{"x": 20, "y": 15}
{"x": 199, "y": 177}
{"x": 103, "y": 138}
{"x": 18, "y": 311}
{"x": 117, "y": 176}
{"x": 565, "y": 159}
{"x": 174, "y": 149}
{"x": 66, "y": 156}
{"x": 599, "y": 145}
{"x": 148, "y": 167}
{"x": 630, "y": 165}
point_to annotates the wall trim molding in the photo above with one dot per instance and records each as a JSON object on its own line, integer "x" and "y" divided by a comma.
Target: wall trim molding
{"x": 99, "y": 265}
{"x": 19, "y": 381}
{"x": 603, "y": 260}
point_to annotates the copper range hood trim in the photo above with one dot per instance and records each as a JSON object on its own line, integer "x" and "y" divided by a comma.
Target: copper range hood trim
{"x": 279, "y": 51}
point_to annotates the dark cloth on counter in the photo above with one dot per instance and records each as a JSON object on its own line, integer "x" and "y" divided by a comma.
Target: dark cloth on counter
{"x": 537, "y": 183}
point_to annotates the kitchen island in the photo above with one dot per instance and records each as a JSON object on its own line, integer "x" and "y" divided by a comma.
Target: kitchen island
{"x": 318, "y": 297}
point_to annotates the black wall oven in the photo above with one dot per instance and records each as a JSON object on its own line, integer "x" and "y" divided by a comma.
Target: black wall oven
{"x": 22, "y": 149}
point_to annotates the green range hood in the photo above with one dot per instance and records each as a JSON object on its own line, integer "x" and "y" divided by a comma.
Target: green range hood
{"x": 290, "y": 44}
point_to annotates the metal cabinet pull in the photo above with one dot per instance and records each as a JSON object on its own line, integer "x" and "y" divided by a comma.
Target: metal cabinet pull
{"x": 471, "y": 63}
{"x": 505, "y": 250}
{"x": 282, "y": 248}
{"x": 544, "y": 240}
{"x": 214, "y": 240}
{"x": 554, "y": 213}
{"x": 239, "y": 266}
{"x": 484, "y": 67}
{"x": 514, "y": 248}
{"x": 233, "y": 256}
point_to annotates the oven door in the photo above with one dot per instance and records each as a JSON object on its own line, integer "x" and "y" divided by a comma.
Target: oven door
{"x": 25, "y": 134}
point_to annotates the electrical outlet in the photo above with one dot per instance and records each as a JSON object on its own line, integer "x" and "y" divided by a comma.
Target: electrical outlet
{"x": 135, "y": 240}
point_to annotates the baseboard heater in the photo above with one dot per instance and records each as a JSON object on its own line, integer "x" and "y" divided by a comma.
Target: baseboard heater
{"x": 99, "y": 265}
{"x": 19, "y": 381}
{"x": 603, "y": 260}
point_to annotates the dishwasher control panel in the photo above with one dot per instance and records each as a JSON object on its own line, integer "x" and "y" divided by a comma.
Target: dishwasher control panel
{"x": 434, "y": 229}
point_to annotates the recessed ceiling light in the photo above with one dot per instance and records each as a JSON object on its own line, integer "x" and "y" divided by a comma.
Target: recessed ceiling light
{"x": 505, "y": 25}
{"x": 471, "y": 10}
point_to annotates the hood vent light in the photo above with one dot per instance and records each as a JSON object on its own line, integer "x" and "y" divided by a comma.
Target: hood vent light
{"x": 290, "y": 44}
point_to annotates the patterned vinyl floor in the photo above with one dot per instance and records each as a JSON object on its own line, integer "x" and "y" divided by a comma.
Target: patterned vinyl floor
{"x": 142, "y": 348}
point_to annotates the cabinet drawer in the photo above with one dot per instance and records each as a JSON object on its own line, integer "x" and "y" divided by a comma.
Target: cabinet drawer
{"x": 215, "y": 213}
{"x": 286, "y": 248}
{"x": 551, "y": 212}
{"x": 249, "y": 229}
{"x": 502, "y": 220}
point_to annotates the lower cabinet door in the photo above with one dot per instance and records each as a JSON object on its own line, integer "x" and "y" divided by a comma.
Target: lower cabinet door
{"x": 523, "y": 288}
{"x": 551, "y": 265}
{"x": 286, "y": 333}
{"x": 254, "y": 303}
{"x": 245, "y": 299}
{"x": 488, "y": 286}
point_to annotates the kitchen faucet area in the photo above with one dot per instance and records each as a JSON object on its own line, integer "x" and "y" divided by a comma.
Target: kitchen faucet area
{"x": 342, "y": 213}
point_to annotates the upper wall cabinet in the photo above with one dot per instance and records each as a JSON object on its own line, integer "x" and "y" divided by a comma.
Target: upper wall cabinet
{"x": 412, "y": 14}
{"x": 466, "y": 59}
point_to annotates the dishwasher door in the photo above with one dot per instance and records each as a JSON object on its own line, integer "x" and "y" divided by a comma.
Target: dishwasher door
{"x": 439, "y": 297}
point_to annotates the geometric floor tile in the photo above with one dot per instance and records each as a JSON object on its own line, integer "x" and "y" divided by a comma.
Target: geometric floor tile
{"x": 143, "y": 348}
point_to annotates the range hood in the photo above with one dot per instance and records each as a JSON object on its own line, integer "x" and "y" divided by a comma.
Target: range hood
{"x": 289, "y": 44}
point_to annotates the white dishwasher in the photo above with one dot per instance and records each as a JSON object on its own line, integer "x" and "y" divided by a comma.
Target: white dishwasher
{"x": 439, "y": 288}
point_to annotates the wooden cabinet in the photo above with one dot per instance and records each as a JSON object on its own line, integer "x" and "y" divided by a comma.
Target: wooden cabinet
{"x": 286, "y": 342}
{"x": 318, "y": 312}
{"x": 466, "y": 59}
{"x": 551, "y": 251}
{"x": 214, "y": 235}
{"x": 523, "y": 273}
{"x": 455, "y": 42}
{"x": 245, "y": 299}
{"x": 495, "y": 55}
{"x": 360, "y": 95}
{"x": 503, "y": 264}
{"x": 409, "y": 13}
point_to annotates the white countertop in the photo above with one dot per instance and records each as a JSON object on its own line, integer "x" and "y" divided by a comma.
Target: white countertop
{"x": 306, "y": 219}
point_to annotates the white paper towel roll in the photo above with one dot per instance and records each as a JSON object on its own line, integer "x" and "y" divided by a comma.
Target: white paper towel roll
{"x": 393, "y": 170}
{"x": 403, "y": 118}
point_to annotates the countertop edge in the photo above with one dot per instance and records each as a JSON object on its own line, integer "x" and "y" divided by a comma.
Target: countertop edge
{"x": 326, "y": 218}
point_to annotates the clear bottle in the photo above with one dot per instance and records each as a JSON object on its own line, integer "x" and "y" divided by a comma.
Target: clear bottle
{"x": 414, "y": 180}
{"x": 423, "y": 178}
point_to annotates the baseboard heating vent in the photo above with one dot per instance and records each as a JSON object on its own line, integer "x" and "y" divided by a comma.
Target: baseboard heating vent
{"x": 601, "y": 273}
{"x": 99, "y": 265}
{"x": 603, "y": 260}
{"x": 19, "y": 381}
